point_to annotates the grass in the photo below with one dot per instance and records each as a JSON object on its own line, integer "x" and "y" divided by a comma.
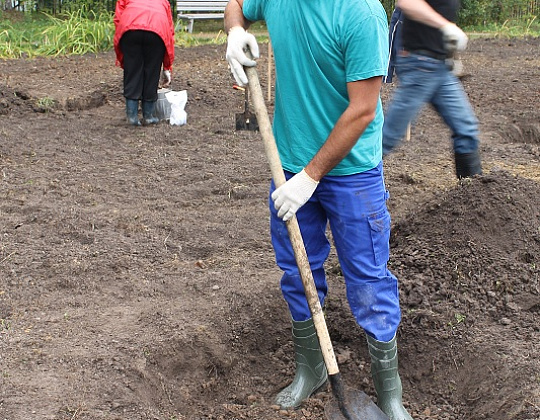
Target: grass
{"x": 46, "y": 103}
{"x": 25, "y": 35}
{"x": 211, "y": 32}
{"x": 41, "y": 34}
{"x": 511, "y": 28}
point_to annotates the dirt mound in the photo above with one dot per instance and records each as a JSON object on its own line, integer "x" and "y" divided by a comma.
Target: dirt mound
{"x": 18, "y": 102}
{"x": 467, "y": 260}
{"x": 525, "y": 132}
{"x": 476, "y": 244}
{"x": 14, "y": 101}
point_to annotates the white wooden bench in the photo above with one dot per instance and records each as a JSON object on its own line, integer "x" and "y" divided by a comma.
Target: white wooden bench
{"x": 193, "y": 10}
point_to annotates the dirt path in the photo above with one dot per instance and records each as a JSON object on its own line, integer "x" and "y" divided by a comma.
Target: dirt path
{"x": 137, "y": 278}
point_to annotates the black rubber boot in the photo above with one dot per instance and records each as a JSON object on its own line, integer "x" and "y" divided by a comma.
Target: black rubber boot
{"x": 468, "y": 164}
{"x": 311, "y": 371}
{"x": 384, "y": 370}
{"x": 149, "y": 112}
{"x": 132, "y": 111}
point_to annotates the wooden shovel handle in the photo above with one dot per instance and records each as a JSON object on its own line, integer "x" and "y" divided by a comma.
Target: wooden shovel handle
{"x": 265, "y": 127}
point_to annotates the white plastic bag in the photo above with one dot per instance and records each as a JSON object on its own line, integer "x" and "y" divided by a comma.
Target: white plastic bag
{"x": 178, "y": 102}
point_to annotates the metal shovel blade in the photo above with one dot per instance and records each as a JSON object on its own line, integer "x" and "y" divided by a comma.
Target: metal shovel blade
{"x": 358, "y": 407}
{"x": 246, "y": 120}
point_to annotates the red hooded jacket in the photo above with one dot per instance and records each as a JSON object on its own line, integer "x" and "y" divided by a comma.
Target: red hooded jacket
{"x": 148, "y": 15}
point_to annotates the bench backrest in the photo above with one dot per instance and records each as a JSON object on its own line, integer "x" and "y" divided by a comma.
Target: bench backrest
{"x": 201, "y": 6}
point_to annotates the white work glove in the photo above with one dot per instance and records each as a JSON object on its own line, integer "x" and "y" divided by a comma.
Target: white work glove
{"x": 238, "y": 42}
{"x": 165, "y": 78}
{"x": 293, "y": 194}
{"x": 454, "y": 38}
{"x": 457, "y": 68}
{"x": 455, "y": 65}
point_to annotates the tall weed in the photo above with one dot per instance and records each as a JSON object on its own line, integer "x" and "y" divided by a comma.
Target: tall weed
{"x": 77, "y": 32}
{"x": 41, "y": 34}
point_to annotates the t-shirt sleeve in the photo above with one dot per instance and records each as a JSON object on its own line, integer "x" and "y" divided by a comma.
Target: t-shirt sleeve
{"x": 365, "y": 44}
{"x": 254, "y": 9}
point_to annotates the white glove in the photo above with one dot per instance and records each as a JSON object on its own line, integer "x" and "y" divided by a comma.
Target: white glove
{"x": 457, "y": 68}
{"x": 293, "y": 194}
{"x": 454, "y": 38}
{"x": 165, "y": 78}
{"x": 238, "y": 42}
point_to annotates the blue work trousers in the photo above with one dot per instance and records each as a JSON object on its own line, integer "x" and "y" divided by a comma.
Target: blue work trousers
{"x": 355, "y": 208}
{"x": 422, "y": 80}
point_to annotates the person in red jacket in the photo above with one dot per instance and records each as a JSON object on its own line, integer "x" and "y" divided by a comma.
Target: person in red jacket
{"x": 144, "y": 43}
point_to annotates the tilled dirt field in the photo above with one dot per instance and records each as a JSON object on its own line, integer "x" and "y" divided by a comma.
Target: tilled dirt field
{"x": 137, "y": 278}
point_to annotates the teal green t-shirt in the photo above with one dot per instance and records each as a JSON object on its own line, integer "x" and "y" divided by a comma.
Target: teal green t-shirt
{"x": 319, "y": 46}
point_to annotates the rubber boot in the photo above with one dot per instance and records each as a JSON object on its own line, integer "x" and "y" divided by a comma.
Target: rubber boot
{"x": 132, "y": 111}
{"x": 384, "y": 370}
{"x": 468, "y": 164}
{"x": 311, "y": 371}
{"x": 149, "y": 114}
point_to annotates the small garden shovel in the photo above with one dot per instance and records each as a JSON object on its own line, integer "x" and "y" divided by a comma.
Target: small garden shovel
{"x": 246, "y": 120}
{"x": 350, "y": 404}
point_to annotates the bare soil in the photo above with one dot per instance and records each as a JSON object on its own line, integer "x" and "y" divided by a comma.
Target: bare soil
{"x": 137, "y": 278}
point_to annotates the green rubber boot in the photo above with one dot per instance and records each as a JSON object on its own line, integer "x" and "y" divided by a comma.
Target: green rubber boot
{"x": 149, "y": 112}
{"x": 310, "y": 368}
{"x": 132, "y": 111}
{"x": 384, "y": 370}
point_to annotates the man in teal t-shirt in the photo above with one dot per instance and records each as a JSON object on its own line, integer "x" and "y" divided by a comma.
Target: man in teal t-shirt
{"x": 320, "y": 47}
{"x": 330, "y": 57}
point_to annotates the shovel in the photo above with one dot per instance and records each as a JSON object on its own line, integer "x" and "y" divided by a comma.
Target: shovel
{"x": 246, "y": 120}
{"x": 348, "y": 404}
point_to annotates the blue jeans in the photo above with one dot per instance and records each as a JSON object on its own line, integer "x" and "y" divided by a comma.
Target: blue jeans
{"x": 394, "y": 39}
{"x": 424, "y": 80}
{"x": 355, "y": 207}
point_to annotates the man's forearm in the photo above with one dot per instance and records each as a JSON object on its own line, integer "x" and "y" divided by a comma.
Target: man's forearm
{"x": 364, "y": 97}
{"x": 422, "y": 12}
{"x": 234, "y": 16}
{"x": 339, "y": 144}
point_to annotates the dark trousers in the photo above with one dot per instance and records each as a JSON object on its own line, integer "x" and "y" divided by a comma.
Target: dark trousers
{"x": 143, "y": 55}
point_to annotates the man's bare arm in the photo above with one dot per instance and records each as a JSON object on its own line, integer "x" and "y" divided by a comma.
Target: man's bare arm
{"x": 234, "y": 16}
{"x": 453, "y": 37}
{"x": 422, "y": 12}
{"x": 363, "y": 96}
